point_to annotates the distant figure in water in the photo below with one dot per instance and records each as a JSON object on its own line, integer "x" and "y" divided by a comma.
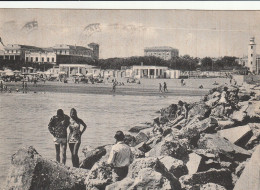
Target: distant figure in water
{"x": 120, "y": 157}
{"x": 160, "y": 87}
{"x": 182, "y": 82}
{"x": 215, "y": 83}
{"x": 165, "y": 87}
{"x": 75, "y": 136}
{"x": 58, "y": 128}
{"x": 201, "y": 86}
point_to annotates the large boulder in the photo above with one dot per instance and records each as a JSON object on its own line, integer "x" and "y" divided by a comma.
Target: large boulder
{"x": 138, "y": 128}
{"x": 29, "y": 170}
{"x": 199, "y": 109}
{"x": 225, "y": 123}
{"x": 126, "y": 183}
{"x": 197, "y": 126}
{"x": 141, "y": 137}
{"x": 221, "y": 177}
{"x": 237, "y": 135}
{"x": 250, "y": 176}
{"x": 211, "y": 186}
{"x": 99, "y": 176}
{"x": 177, "y": 148}
{"x": 93, "y": 156}
{"x": 226, "y": 150}
{"x": 174, "y": 166}
{"x": 139, "y": 168}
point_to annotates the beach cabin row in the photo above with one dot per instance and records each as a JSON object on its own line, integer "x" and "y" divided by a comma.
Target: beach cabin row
{"x": 136, "y": 71}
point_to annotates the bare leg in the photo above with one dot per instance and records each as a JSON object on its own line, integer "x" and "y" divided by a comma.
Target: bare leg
{"x": 71, "y": 146}
{"x": 57, "y": 147}
{"x": 63, "y": 152}
{"x": 75, "y": 153}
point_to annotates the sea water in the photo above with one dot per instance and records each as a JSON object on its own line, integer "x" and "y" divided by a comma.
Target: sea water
{"x": 24, "y": 119}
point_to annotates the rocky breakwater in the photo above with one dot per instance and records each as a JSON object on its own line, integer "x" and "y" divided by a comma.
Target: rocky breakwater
{"x": 212, "y": 147}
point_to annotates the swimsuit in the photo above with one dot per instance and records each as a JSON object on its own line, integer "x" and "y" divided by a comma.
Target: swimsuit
{"x": 75, "y": 133}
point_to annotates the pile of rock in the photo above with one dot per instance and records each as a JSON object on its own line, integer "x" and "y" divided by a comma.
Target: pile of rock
{"x": 210, "y": 149}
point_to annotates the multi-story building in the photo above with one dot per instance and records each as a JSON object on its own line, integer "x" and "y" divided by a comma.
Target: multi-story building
{"x": 46, "y": 55}
{"x": 163, "y": 52}
{"x": 57, "y": 55}
{"x": 17, "y": 52}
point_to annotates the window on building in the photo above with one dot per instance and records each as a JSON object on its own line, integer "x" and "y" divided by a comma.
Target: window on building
{"x": 251, "y": 62}
{"x": 48, "y": 59}
{"x": 60, "y": 51}
{"x": 251, "y": 47}
{"x": 251, "y": 55}
{"x": 36, "y": 59}
{"x": 53, "y": 59}
{"x": 31, "y": 59}
{"x": 27, "y": 59}
{"x": 42, "y": 59}
{"x": 65, "y": 51}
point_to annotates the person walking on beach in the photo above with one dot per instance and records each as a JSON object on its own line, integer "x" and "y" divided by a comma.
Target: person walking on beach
{"x": 58, "y": 128}
{"x": 160, "y": 87}
{"x": 75, "y": 136}
{"x": 114, "y": 86}
{"x": 165, "y": 87}
{"x": 120, "y": 157}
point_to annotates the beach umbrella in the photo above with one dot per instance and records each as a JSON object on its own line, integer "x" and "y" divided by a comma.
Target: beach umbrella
{"x": 9, "y": 72}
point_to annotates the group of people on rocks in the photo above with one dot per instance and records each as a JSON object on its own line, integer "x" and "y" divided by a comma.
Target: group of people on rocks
{"x": 120, "y": 156}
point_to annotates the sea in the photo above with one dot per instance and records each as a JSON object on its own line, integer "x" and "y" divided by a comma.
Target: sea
{"x": 24, "y": 119}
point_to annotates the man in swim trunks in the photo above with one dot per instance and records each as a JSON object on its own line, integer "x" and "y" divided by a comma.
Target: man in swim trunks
{"x": 58, "y": 128}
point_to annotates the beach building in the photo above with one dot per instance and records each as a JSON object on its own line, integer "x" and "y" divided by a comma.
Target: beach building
{"x": 28, "y": 70}
{"x": 163, "y": 52}
{"x": 73, "y": 69}
{"x": 147, "y": 71}
{"x": 44, "y": 56}
{"x": 58, "y": 54}
{"x": 17, "y": 51}
{"x": 173, "y": 74}
{"x": 73, "y": 54}
{"x": 2, "y": 54}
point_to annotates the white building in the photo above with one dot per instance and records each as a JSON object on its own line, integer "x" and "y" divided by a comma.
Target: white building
{"x": 40, "y": 57}
{"x": 73, "y": 69}
{"x": 149, "y": 71}
{"x": 173, "y": 74}
{"x": 163, "y": 52}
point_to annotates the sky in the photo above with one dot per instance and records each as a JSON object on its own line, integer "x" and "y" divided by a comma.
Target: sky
{"x": 125, "y": 33}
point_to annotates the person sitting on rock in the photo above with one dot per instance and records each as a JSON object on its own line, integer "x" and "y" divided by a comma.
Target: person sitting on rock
{"x": 120, "y": 157}
{"x": 58, "y": 128}
{"x": 180, "y": 114}
{"x": 223, "y": 99}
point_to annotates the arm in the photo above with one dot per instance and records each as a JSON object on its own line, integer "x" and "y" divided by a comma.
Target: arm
{"x": 112, "y": 157}
{"x": 84, "y": 125}
{"x": 51, "y": 126}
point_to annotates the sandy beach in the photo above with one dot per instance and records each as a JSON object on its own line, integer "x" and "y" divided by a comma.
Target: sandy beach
{"x": 148, "y": 87}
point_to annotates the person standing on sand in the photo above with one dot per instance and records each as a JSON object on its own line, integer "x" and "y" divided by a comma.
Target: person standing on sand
{"x": 75, "y": 136}
{"x": 114, "y": 87}
{"x": 58, "y": 128}
{"x": 165, "y": 87}
{"x": 120, "y": 157}
{"x": 160, "y": 87}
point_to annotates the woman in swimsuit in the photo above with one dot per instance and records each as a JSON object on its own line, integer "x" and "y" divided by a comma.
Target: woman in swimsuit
{"x": 75, "y": 136}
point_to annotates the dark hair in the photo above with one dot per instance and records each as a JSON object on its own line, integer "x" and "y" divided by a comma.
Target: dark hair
{"x": 180, "y": 103}
{"x": 119, "y": 136}
{"x": 60, "y": 112}
{"x": 75, "y": 111}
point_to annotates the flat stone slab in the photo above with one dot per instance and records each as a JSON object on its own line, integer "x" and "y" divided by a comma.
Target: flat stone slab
{"x": 237, "y": 134}
{"x": 250, "y": 177}
{"x": 193, "y": 163}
